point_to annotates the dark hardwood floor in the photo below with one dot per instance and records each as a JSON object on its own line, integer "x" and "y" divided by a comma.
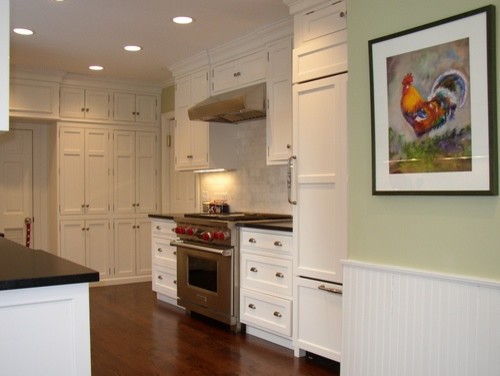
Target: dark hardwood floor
{"x": 134, "y": 334}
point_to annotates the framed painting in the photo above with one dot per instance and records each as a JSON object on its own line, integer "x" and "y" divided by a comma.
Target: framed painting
{"x": 433, "y": 108}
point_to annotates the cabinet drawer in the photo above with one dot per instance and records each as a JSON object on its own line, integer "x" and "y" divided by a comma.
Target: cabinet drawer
{"x": 266, "y": 312}
{"x": 321, "y": 21}
{"x": 165, "y": 281}
{"x": 163, "y": 228}
{"x": 266, "y": 274}
{"x": 163, "y": 253}
{"x": 266, "y": 241}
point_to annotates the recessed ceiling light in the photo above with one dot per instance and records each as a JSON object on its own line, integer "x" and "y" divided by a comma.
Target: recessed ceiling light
{"x": 22, "y": 31}
{"x": 96, "y": 67}
{"x": 132, "y": 48}
{"x": 182, "y": 20}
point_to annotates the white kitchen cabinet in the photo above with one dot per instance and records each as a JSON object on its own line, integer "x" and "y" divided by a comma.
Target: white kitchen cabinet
{"x": 4, "y": 64}
{"x": 135, "y": 107}
{"x": 84, "y": 171}
{"x": 87, "y": 242}
{"x": 320, "y": 169}
{"x": 91, "y": 104}
{"x": 320, "y": 42}
{"x": 318, "y": 318}
{"x": 238, "y": 73}
{"x": 191, "y": 137}
{"x": 164, "y": 260}
{"x": 266, "y": 276}
{"x": 134, "y": 172}
{"x": 33, "y": 98}
{"x": 279, "y": 97}
{"x": 132, "y": 247}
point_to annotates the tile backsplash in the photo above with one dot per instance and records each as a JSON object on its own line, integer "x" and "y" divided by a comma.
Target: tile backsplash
{"x": 254, "y": 186}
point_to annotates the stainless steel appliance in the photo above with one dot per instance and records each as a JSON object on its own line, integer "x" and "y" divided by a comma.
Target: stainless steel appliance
{"x": 208, "y": 262}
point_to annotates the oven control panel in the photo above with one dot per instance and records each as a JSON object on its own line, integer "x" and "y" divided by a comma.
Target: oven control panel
{"x": 203, "y": 233}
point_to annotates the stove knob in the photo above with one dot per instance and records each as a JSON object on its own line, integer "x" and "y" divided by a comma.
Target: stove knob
{"x": 207, "y": 236}
{"x": 190, "y": 231}
{"x": 180, "y": 230}
{"x": 221, "y": 235}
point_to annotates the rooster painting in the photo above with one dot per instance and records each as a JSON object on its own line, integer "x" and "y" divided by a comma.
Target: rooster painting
{"x": 448, "y": 93}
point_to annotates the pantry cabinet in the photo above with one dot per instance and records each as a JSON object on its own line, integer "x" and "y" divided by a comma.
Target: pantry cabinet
{"x": 87, "y": 242}
{"x": 164, "y": 259}
{"x": 84, "y": 171}
{"x": 132, "y": 247}
{"x": 279, "y": 99}
{"x": 139, "y": 108}
{"x": 234, "y": 74}
{"x": 134, "y": 172}
{"x": 91, "y": 104}
{"x": 266, "y": 276}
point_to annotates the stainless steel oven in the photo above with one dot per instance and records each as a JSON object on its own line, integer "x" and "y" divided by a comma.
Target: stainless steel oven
{"x": 208, "y": 263}
{"x": 204, "y": 280}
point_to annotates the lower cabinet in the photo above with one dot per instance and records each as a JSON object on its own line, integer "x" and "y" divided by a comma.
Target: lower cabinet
{"x": 318, "y": 318}
{"x": 164, "y": 260}
{"x": 87, "y": 242}
{"x": 266, "y": 301}
{"x": 118, "y": 251}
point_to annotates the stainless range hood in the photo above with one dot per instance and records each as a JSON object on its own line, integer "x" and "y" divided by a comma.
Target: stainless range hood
{"x": 232, "y": 107}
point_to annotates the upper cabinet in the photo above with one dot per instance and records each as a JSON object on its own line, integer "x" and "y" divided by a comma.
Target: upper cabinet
{"x": 245, "y": 71}
{"x": 320, "y": 42}
{"x": 4, "y": 64}
{"x": 135, "y": 107}
{"x": 34, "y": 98}
{"x": 279, "y": 99}
{"x": 82, "y": 103}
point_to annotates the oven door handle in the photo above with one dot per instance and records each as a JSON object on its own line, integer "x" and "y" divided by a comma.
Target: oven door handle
{"x": 222, "y": 252}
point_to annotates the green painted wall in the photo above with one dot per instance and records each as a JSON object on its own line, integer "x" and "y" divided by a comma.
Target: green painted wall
{"x": 457, "y": 235}
{"x": 168, "y": 99}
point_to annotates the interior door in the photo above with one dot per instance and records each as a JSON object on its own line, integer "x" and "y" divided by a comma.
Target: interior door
{"x": 16, "y": 183}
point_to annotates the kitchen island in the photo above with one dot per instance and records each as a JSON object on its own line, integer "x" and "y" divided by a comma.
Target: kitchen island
{"x": 44, "y": 313}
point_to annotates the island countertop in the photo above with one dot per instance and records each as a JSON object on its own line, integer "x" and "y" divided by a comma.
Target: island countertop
{"x": 22, "y": 267}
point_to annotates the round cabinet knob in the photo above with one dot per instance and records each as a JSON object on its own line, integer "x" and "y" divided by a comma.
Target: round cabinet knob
{"x": 251, "y": 306}
{"x": 253, "y": 269}
{"x": 158, "y": 228}
{"x": 207, "y": 236}
{"x": 160, "y": 250}
{"x": 277, "y": 314}
{"x": 160, "y": 277}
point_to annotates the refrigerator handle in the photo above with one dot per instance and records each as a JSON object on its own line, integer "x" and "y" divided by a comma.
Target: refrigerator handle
{"x": 289, "y": 179}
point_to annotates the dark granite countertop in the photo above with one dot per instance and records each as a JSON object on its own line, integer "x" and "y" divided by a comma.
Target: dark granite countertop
{"x": 22, "y": 267}
{"x": 165, "y": 215}
{"x": 273, "y": 225}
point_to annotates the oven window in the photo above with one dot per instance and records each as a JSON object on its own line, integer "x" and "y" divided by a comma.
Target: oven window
{"x": 202, "y": 273}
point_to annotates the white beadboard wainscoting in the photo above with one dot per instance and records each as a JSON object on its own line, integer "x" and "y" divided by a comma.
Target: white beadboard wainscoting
{"x": 403, "y": 322}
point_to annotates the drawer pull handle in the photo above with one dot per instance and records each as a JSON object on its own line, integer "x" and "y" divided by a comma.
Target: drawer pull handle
{"x": 160, "y": 277}
{"x": 160, "y": 250}
{"x": 280, "y": 275}
{"x": 253, "y": 269}
{"x": 252, "y": 306}
{"x": 277, "y": 314}
{"x": 277, "y": 243}
{"x": 332, "y": 290}
{"x": 252, "y": 240}
{"x": 158, "y": 228}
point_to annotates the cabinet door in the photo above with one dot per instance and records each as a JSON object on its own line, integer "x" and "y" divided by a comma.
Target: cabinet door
{"x": 145, "y": 108}
{"x": 252, "y": 69}
{"x": 97, "y": 168}
{"x": 124, "y": 106}
{"x": 225, "y": 76}
{"x": 71, "y": 171}
{"x": 98, "y": 247}
{"x": 321, "y": 178}
{"x": 97, "y": 104}
{"x": 143, "y": 246}
{"x": 182, "y": 141}
{"x": 279, "y": 94}
{"x": 124, "y": 247}
{"x": 72, "y": 102}
{"x": 124, "y": 171}
{"x": 72, "y": 241}
{"x": 318, "y": 318}
{"x": 145, "y": 174}
{"x": 199, "y": 86}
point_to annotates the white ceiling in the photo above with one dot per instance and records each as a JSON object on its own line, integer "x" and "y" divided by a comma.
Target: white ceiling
{"x": 73, "y": 34}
